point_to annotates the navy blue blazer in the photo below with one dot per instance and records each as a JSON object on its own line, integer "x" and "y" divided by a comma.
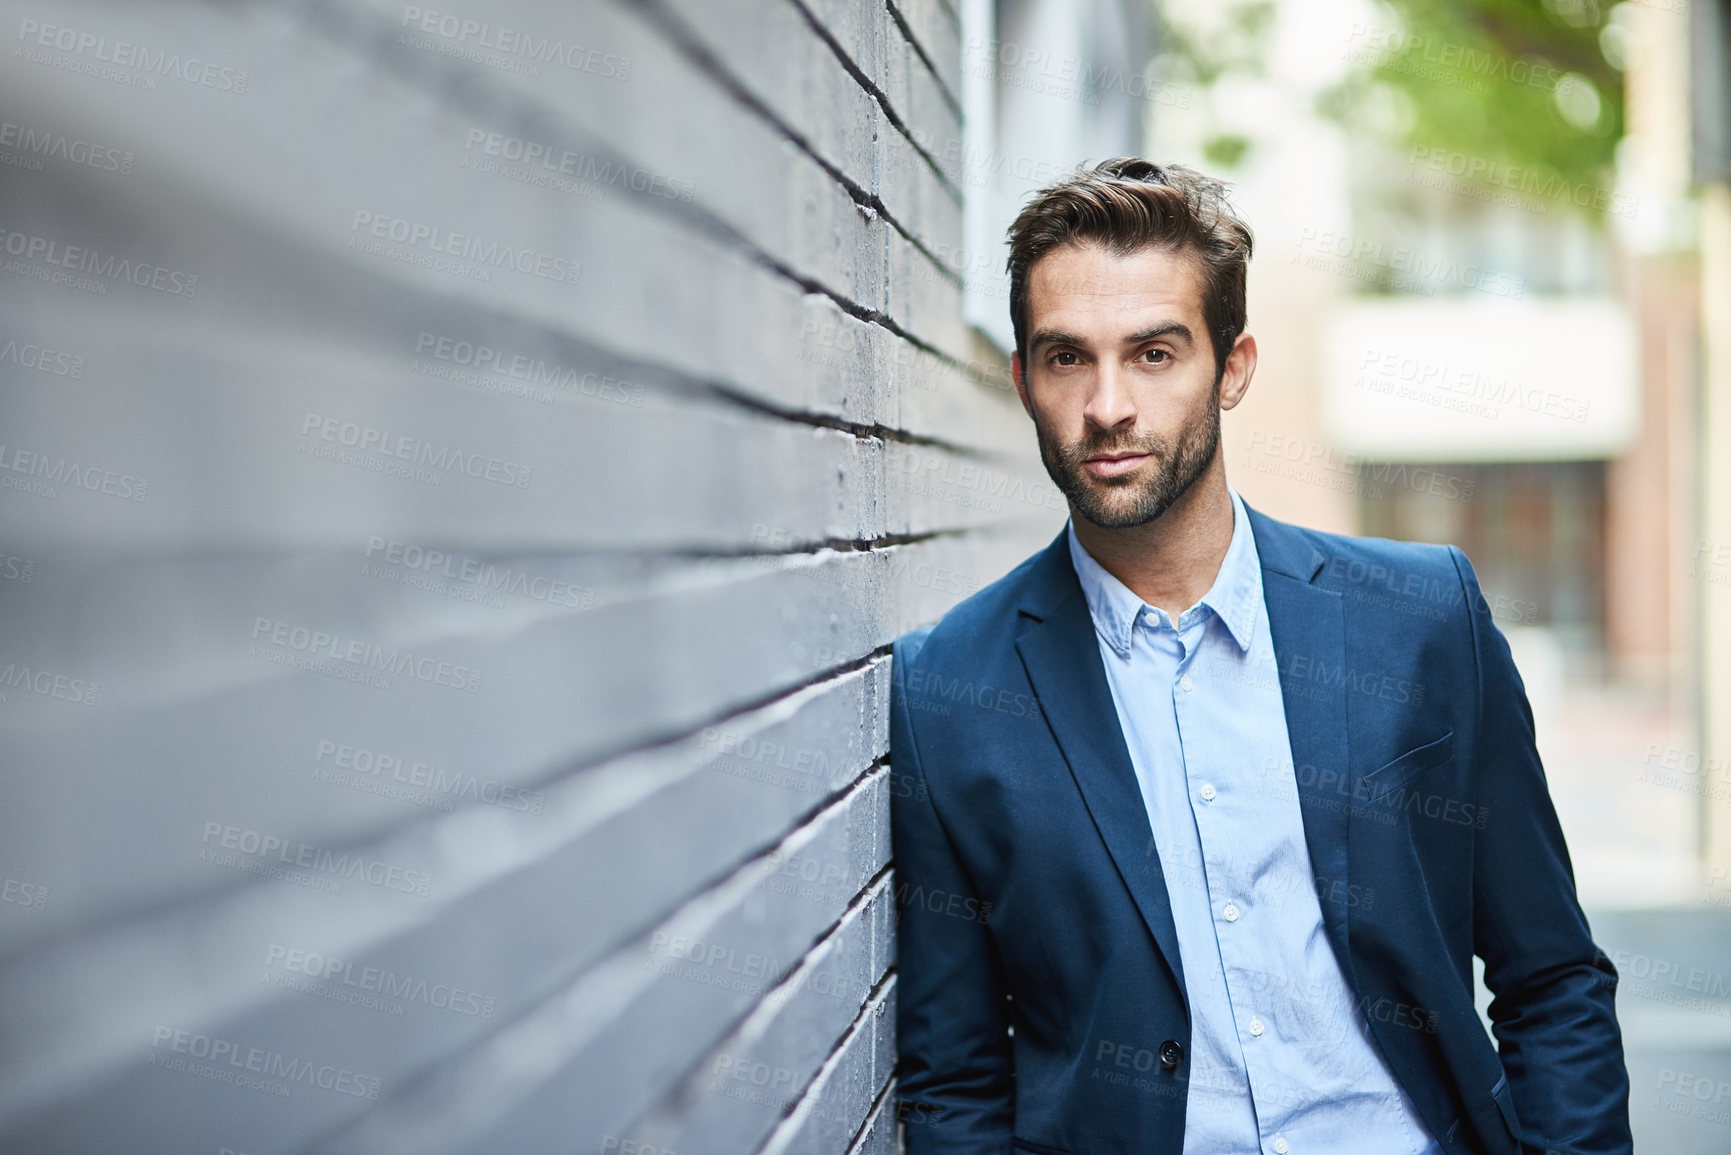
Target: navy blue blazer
{"x": 1041, "y": 1002}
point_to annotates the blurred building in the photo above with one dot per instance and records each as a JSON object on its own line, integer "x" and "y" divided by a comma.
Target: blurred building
{"x": 1709, "y": 73}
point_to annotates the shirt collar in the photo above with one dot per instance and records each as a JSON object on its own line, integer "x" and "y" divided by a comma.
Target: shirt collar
{"x": 1233, "y": 597}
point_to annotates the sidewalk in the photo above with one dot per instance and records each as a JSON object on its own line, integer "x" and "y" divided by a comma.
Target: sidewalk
{"x": 1631, "y": 827}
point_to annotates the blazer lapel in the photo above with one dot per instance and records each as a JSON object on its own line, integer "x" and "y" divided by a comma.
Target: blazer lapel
{"x": 1309, "y": 632}
{"x": 1062, "y": 658}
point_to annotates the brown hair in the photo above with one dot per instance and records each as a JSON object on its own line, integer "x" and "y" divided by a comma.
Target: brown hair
{"x": 1128, "y": 204}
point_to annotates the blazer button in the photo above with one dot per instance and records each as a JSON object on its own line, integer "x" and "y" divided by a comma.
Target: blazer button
{"x": 1171, "y": 1054}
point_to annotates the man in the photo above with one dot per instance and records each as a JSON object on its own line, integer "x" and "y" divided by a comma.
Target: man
{"x": 1218, "y": 890}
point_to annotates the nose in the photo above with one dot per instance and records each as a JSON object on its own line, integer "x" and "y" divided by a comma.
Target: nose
{"x": 1109, "y": 405}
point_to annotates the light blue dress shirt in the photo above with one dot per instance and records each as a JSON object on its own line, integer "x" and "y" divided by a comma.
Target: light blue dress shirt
{"x": 1280, "y": 1056}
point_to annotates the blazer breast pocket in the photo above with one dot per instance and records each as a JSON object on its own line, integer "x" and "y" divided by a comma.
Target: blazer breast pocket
{"x": 1402, "y": 770}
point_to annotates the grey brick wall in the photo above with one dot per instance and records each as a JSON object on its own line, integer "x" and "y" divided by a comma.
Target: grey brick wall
{"x": 461, "y": 471}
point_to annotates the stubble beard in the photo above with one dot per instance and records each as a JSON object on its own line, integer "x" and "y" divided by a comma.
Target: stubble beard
{"x": 1141, "y": 496}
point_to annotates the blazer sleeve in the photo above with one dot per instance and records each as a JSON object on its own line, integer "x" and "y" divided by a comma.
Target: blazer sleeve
{"x": 1553, "y": 992}
{"x": 954, "y": 1079}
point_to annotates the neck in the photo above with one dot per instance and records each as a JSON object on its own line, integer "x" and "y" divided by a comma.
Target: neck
{"x": 1172, "y": 561}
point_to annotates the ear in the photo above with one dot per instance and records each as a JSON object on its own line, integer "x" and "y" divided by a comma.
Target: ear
{"x": 1020, "y": 377}
{"x": 1240, "y": 367}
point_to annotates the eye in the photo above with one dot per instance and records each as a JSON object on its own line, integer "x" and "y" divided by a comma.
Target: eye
{"x": 1155, "y": 356}
{"x": 1064, "y": 357}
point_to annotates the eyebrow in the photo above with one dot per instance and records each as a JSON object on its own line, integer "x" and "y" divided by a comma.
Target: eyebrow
{"x": 1166, "y": 329}
{"x": 1053, "y": 337}
{"x": 1177, "y": 329}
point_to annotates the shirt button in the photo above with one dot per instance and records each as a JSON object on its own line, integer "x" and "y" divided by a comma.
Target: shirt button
{"x": 1231, "y": 912}
{"x": 1256, "y": 1027}
{"x": 1280, "y": 1147}
{"x": 1208, "y": 792}
{"x": 1186, "y": 683}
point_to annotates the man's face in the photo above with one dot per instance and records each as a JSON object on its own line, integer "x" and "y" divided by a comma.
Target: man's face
{"x": 1120, "y": 379}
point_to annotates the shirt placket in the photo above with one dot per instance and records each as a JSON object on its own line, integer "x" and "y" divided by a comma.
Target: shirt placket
{"x": 1220, "y": 829}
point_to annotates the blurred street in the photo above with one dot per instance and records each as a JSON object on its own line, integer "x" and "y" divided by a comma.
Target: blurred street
{"x": 1616, "y": 761}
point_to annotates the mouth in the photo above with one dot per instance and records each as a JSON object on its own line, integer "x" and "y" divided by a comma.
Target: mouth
{"x": 1114, "y": 464}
